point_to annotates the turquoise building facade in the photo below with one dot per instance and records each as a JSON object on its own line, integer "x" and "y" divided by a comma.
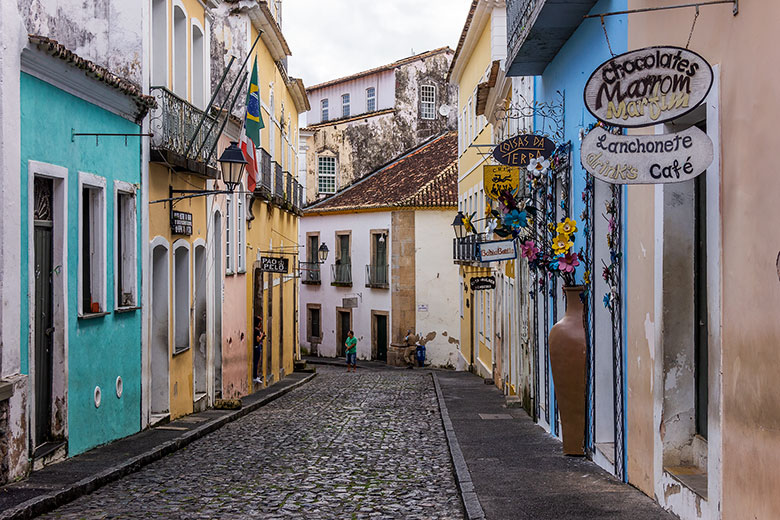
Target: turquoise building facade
{"x": 81, "y": 215}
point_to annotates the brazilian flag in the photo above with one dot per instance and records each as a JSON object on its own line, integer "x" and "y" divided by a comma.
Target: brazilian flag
{"x": 253, "y": 121}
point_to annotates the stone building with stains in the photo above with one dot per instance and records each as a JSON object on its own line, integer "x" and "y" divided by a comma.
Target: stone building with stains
{"x": 360, "y": 122}
{"x": 388, "y": 270}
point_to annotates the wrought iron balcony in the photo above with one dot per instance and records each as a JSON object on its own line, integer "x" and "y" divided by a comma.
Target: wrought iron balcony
{"x": 536, "y": 31}
{"x": 174, "y": 123}
{"x": 310, "y": 273}
{"x": 341, "y": 274}
{"x": 278, "y": 191}
{"x": 376, "y": 276}
{"x": 464, "y": 250}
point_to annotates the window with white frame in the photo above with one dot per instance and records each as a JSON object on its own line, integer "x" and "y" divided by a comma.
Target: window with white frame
{"x": 324, "y": 109}
{"x": 370, "y": 99}
{"x": 181, "y": 296}
{"x": 428, "y": 102}
{"x": 345, "y": 105}
{"x": 92, "y": 244}
{"x": 240, "y": 234}
{"x": 326, "y": 174}
{"x": 228, "y": 233}
{"x": 126, "y": 251}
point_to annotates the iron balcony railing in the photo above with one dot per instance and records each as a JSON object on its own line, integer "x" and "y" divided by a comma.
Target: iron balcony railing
{"x": 376, "y": 275}
{"x": 173, "y": 124}
{"x": 288, "y": 193}
{"x": 341, "y": 274}
{"x": 278, "y": 180}
{"x": 518, "y": 15}
{"x": 310, "y": 272}
{"x": 465, "y": 249}
{"x": 265, "y": 171}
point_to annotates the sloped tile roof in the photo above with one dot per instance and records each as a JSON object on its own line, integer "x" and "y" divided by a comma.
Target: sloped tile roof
{"x": 95, "y": 71}
{"x": 426, "y": 176}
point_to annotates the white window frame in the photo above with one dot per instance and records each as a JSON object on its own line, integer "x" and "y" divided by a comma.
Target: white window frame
{"x": 228, "y": 238}
{"x": 324, "y": 110}
{"x": 320, "y": 175}
{"x": 97, "y": 240}
{"x": 129, "y": 260}
{"x": 345, "y": 105}
{"x": 370, "y": 98}
{"x": 178, "y": 307}
{"x": 240, "y": 234}
{"x": 428, "y": 106}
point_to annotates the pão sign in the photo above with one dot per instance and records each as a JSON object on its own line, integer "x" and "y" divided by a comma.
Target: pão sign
{"x": 520, "y": 149}
{"x": 648, "y": 86}
{"x": 646, "y": 159}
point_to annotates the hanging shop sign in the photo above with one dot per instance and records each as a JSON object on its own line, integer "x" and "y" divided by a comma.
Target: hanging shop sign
{"x": 500, "y": 178}
{"x": 181, "y": 223}
{"x": 496, "y": 250}
{"x": 480, "y": 283}
{"x": 648, "y": 86}
{"x": 520, "y": 149}
{"x": 646, "y": 159}
{"x": 272, "y": 264}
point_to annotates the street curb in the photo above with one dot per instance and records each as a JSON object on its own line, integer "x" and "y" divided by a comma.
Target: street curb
{"x": 462, "y": 475}
{"x": 48, "y": 502}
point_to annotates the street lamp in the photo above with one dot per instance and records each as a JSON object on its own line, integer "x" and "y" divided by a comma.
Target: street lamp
{"x": 232, "y": 163}
{"x": 457, "y": 225}
{"x": 323, "y": 253}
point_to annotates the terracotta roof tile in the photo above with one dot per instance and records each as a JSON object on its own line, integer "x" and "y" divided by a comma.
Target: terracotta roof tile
{"x": 426, "y": 176}
{"x": 97, "y": 72}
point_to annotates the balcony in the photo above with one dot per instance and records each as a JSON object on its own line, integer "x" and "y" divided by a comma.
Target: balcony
{"x": 341, "y": 274}
{"x": 537, "y": 29}
{"x": 310, "y": 273}
{"x": 173, "y": 124}
{"x": 376, "y": 276}
{"x": 278, "y": 180}
{"x": 464, "y": 250}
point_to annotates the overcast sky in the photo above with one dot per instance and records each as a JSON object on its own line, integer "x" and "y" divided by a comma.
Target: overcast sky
{"x": 334, "y": 38}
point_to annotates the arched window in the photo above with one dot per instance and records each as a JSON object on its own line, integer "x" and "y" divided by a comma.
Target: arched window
{"x": 179, "y": 52}
{"x": 198, "y": 69}
{"x": 159, "y": 43}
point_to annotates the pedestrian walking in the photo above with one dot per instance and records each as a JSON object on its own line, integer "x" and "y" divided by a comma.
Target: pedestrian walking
{"x": 257, "y": 349}
{"x": 351, "y": 349}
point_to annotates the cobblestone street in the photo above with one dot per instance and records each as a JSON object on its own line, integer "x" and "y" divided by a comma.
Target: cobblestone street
{"x": 364, "y": 445}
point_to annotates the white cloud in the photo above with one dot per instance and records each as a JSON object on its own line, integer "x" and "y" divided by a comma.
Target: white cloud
{"x": 334, "y": 38}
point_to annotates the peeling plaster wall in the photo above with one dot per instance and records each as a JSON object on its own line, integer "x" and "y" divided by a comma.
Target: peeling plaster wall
{"x": 229, "y": 37}
{"x": 108, "y": 32}
{"x": 363, "y": 145}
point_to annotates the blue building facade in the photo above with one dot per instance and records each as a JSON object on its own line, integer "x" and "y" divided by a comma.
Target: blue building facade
{"x": 80, "y": 336}
{"x": 561, "y": 65}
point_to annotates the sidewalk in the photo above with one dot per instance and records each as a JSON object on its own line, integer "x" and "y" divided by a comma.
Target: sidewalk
{"x": 342, "y": 362}
{"x": 63, "y": 482}
{"x": 511, "y": 468}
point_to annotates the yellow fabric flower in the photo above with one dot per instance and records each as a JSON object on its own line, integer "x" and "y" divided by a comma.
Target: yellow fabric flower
{"x": 567, "y": 227}
{"x": 561, "y": 243}
{"x": 468, "y": 226}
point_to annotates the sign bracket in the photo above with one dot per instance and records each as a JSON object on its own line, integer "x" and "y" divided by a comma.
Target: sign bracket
{"x": 734, "y": 3}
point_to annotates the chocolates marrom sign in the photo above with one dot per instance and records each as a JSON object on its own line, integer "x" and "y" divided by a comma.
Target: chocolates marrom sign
{"x": 648, "y": 86}
{"x": 646, "y": 159}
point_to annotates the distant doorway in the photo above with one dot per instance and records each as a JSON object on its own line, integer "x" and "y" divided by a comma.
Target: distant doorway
{"x": 379, "y": 335}
{"x": 43, "y": 331}
{"x": 343, "y": 326}
{"x": 160, "y": 329}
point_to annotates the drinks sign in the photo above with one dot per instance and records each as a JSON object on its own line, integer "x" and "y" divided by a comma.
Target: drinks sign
{"x": 646, "y": 159}
{"x": 500, "y": 178}
{"x": 520, "y": 149}
{"x": 481, "y": 283}
{"x": 648, "y": 86}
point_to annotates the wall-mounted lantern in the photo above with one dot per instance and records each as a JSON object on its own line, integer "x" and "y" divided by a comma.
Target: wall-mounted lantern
{"x": 458, "y": 225}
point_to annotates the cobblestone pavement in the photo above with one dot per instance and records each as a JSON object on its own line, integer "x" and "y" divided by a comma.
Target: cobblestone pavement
{"x": 364, "y": 445}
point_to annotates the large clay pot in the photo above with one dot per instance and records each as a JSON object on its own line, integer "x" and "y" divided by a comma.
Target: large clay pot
{"x": 567, "y": 361}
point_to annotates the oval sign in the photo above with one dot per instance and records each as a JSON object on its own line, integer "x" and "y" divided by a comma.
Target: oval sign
{"x": 648, "y": 86}
{"x": 646, "y": 159}
{"x": 520, "y": 149}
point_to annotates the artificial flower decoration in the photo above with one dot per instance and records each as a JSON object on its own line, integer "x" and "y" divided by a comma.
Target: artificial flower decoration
{"x": 467, "y": 223}
{"x": 568, "y": 262}
{"x": 538, "y": 166}
{"x": 567, "y": 227}
{"x": 529, "y": 250}
{"x": 586, "y": 278}
{"x": 561, "y": 243}
{"x": 516, "y": 219}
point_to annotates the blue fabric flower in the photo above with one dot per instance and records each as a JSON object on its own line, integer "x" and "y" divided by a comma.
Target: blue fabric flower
{"x": 606, "y": 301}
{"x": 516, "y": 219}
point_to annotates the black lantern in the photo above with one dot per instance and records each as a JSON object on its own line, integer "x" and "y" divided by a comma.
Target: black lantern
{"x": 232, "y": 162}
{"x": 457, "y": 225}
{"x": 323, "y": 252}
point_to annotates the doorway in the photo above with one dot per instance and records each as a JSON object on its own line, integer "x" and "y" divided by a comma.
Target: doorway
{"x": 379, "y": 333}
{"x": 44, "y": 328}
{"x": 217, "y": 339}
{"x": 199, "y": 356}
{"x": 257, "y": 316}
{"x": 343, "y": 326}
{"x": 160, "y": 329}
